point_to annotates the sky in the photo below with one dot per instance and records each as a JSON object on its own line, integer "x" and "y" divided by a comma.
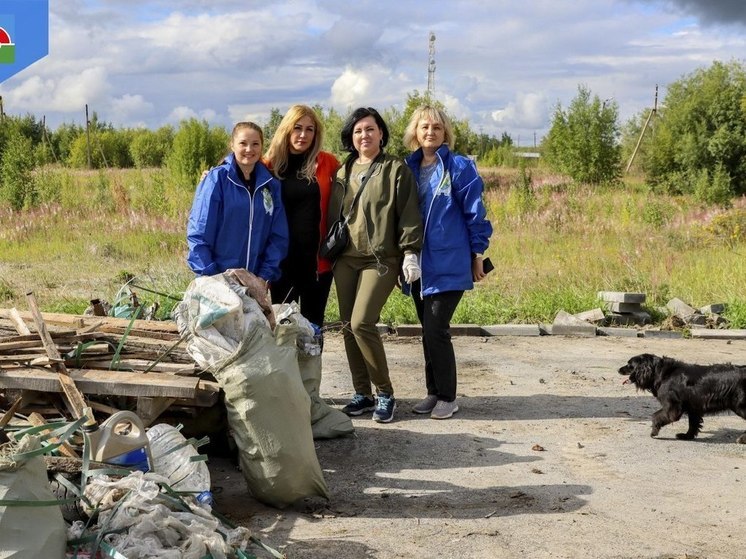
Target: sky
{"x": 503, "y": 65}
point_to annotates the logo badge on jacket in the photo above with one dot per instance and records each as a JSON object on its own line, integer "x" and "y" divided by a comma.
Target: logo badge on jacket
{"x": 444, "y": 188}
{"x": 269, "y": 204}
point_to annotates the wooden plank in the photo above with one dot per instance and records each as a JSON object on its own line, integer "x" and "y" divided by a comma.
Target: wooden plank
{"x": 8, "y": 415}
{"x": 74, "y": 400}
{"x": 114, "y": 383}
{"x": 18, "y": 322}
{"x": 138, "y": 365}
{"x": 82, "y": 321}
{"x": 148, "y": 409}
{"x": 36, "y": 420}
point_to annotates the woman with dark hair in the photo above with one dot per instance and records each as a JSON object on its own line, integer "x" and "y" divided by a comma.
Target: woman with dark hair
{"x": 379, "y": 194}
{"x": 457, "y": 232}
{"x": 306, "y": 174}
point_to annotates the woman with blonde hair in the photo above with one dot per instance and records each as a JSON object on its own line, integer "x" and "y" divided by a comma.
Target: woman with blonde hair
{"x": 456, "y": 235}
{"x": 306, "y": 175}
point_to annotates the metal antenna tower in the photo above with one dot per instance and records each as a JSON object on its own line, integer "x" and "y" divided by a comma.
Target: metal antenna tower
{"x": 431, "y": 64}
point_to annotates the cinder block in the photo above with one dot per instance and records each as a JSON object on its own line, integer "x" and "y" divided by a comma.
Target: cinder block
{"x": 408, "y": 330}
{"x": 639, "y": 318}
{"x": 703, "y": 333}
{"x": 623, "y": 307}
{"x": 664, "y": 334}
{"x": 680, "y": 308}
{"x": 621, "y": 297}
{"x": 594, "y": 315}
{"x": 716, "y": 308}
{"x": 466, "y": 330}
{"x": 566, "y": 324}
{"x": 619, "y": 332}
{"x": 511, "y": 330}
{"x": 383, "y": 328}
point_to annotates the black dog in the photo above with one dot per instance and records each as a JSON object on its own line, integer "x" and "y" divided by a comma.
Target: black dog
{"x": 696, "y": 390}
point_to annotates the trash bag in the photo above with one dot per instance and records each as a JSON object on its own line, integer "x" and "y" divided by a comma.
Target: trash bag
{"x": 268, "y": 409}
{"x": 28, "y": 531}
{"x": 293, "y": 328}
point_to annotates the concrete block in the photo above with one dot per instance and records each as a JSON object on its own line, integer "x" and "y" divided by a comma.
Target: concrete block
{"x": 594, "y": 315}
{"x": 717, "y": 308}
{"x": 466, "y": 330}
{"x": 705, "y": 334}
{"x": 661, "y": 334}
{"x": 619, "y": 332}
{"x": 623, "y": 307}
{"x": 696, "y": 319}
{"x": 621, "y": 297}
{"x": 545, "y": 329}
{"x": 629, "y": 319}
{"x": 512, "y": 330}
{"x": 680, "y": 308}
{"x": 566, "y": 324}
{"x": 408, "y": 330}
{"x": 383, "y": 328}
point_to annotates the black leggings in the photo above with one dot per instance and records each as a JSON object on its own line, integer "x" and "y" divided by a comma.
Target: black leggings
{"x": 435, "y": 313}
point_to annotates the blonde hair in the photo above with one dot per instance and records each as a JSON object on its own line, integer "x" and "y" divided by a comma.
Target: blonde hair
{"x": 435, "y": 114}
{"x": 279, "y": 147}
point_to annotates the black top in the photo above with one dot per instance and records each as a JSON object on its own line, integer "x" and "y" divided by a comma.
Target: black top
{"x": 302, "y": 201}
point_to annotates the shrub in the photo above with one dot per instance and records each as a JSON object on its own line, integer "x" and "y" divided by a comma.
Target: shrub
{"x": 16, "y": 171}
{"x": 196, "y": 147}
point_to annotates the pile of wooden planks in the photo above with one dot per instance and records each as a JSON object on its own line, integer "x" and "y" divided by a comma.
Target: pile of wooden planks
{"x": 54, "y": 364}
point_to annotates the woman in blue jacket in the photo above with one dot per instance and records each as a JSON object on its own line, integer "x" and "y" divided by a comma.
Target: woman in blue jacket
{"x": 457, "y": 233}
{"x": 237, "y": 218}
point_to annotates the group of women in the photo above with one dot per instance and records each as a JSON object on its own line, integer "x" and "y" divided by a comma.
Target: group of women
{"x": 420, "y": 222}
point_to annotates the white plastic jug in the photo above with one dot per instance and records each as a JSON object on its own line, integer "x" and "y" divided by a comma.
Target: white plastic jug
{"x": 120, "y": 440}
{"x": 172, "y": 459}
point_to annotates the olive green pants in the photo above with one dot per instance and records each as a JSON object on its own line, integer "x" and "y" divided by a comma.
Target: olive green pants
{"x": 363, "y": 286}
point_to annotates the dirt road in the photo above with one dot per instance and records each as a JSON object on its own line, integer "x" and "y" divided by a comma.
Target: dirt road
{"x": 478, "y": 486}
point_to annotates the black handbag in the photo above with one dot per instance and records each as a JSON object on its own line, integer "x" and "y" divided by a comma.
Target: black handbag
{"x": 338, "y": 236}
{"x": 336, "y": 240}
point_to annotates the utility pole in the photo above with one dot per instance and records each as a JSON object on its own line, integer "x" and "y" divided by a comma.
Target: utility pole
{"x": 431, "y": 65}
{"x": 642, "y": 132}
{"x": 88, "y": 136}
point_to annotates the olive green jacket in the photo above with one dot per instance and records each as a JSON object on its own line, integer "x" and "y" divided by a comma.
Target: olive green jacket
{"x": 386, "y": 213}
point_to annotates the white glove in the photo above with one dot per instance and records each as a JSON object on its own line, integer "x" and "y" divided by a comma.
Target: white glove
{"x": 410, "y": 268}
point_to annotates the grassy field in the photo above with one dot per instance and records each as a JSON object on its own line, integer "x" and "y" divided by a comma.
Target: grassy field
{"x": 554, "y": 247}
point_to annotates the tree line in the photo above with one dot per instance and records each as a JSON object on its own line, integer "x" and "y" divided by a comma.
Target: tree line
{"x": 694, "y": 144}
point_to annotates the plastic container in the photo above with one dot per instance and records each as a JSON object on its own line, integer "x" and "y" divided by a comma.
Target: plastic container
{"x": 120, "y": 440}
{"x": 172, "y": 459}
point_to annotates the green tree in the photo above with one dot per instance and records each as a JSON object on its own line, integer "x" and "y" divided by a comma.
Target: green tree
{"x": 269, "y": 129}
{"x": 196, "y": 147}
{"x": 583, "y": 140}
{"x": 701, "y": 127}
{"x": 149, "y": 148}
{"x": 17, "y": 186}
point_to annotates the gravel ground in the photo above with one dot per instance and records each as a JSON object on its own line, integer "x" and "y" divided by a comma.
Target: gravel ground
{"x": 549, "y": 456}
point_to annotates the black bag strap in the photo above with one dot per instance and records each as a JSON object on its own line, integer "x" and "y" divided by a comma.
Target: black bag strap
{"x": 348, "y": 167}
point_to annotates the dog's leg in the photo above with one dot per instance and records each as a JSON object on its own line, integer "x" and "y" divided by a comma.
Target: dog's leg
{"x": 662, "y": 418}
{"x": 695, "y": 424}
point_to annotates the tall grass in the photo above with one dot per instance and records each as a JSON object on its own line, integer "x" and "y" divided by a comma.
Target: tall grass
{"x": 555, "y": 245}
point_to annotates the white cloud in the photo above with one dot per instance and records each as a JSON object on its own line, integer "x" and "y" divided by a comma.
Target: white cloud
{"x": 527, "y": 110}
{"x": 67, "y": 93}
{"x": 185, "y": 113}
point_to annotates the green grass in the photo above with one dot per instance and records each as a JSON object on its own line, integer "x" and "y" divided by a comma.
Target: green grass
{"x": 555, "y": 245}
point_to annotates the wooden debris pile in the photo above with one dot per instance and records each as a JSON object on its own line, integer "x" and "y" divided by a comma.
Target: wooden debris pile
{"x": 54, "y": 364}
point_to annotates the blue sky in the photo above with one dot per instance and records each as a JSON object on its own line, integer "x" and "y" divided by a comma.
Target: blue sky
{"x": 503, "y": 65}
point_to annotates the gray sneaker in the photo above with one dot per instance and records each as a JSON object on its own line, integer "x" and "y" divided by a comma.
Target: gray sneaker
{"x": 426, "y": 405}
{"x": 444, "y": 410}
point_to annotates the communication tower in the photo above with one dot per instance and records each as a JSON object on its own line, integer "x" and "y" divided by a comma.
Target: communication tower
{"x": 431, "y": 64}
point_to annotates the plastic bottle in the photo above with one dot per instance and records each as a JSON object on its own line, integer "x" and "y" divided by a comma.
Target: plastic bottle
{"x": 120, "y": 440}
{"x": 171, "y": 458}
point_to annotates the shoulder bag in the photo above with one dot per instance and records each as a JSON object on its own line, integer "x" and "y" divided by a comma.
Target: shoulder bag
{"x": 338, "y": 236}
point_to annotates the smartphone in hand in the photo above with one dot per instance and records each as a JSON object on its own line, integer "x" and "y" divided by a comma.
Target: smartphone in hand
{"x": 487, "y": 265}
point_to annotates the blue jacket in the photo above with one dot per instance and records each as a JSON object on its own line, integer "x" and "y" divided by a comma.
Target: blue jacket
{"x": 230, "y": 228}
{"x": 455, "y": 219}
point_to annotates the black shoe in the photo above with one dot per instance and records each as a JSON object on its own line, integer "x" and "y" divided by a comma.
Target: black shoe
{"x": 385, "y": 407}
{"x": 359, "y": 405}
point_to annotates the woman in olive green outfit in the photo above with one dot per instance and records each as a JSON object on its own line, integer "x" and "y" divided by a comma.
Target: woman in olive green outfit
{"x": 385, "y": 234}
